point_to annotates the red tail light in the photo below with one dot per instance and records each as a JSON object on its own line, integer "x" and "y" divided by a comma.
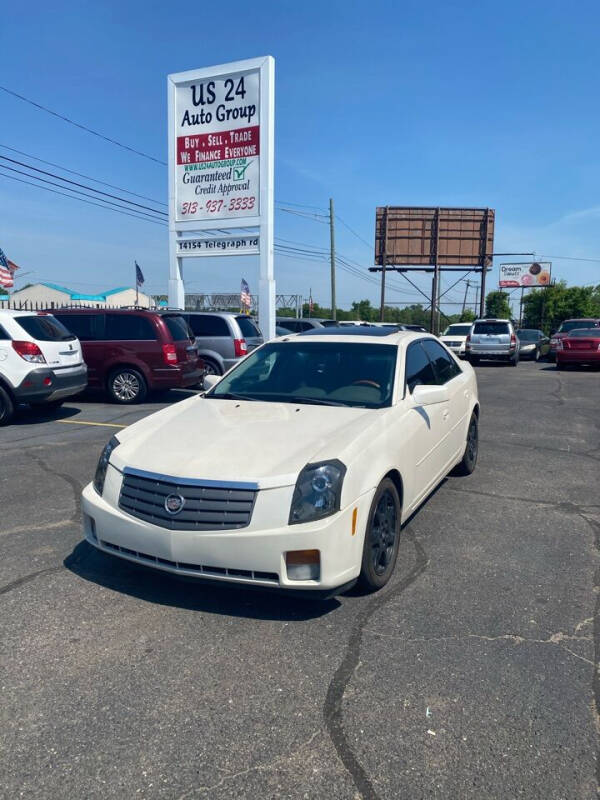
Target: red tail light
{"x": 29, "y": 351}
{"x": 240, "y": 347}
{"x": 169, "y": 353}
{"x": 513, "y": 340}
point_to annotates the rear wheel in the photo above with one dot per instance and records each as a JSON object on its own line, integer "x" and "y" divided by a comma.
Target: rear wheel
{"x": 211, "y": 367}
{"x": 7, "y": 407}
{"x": 127, "y": 386}
{"x": 514, "y": 361}
{"x": 382, "y": 537}
{"x": 469, "y": 459}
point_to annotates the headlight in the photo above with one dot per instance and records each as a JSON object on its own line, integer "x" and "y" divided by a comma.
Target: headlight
{"x": 318, "y": 491}
{"x": 103, "y": 464}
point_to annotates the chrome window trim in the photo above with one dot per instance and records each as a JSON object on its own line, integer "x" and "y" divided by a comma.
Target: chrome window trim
{"x": 203, "y": 483}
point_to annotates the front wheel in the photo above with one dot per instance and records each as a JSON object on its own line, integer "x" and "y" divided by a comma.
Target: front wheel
{"x": 469, "y": 459}
{"x": 127, "y": 386}
{"x": 382, "y": 538}
{"x": 211, "y": 367}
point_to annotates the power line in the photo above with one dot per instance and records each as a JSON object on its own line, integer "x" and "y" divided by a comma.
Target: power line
{"x": 82, "y": 185}
{"x": 573, "y": 258}
{"x": 82, "y": 127}
{"x": 81, "y": 175}
{"x": 354, "y": 233}
{"x": 81, "y": 200}
{"x": 303, "y": 205}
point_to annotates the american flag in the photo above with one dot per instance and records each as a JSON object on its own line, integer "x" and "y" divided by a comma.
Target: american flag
{"x": 245, "y": 299}
{"x": 7, "y": 272}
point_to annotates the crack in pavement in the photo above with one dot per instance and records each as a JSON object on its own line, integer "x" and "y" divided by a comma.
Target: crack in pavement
{"x": 540, "y": 448}
{"x": 77, "y": 489}
{"x": 229, "y": 776}
{"x": 332, "y": 710}
{"x": 561, "y": 505}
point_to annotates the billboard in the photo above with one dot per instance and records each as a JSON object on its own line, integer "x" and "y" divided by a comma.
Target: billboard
{"x": 216, "y": 142}
{"x": 536, "y": 273}
{"x": 420, "y": 236}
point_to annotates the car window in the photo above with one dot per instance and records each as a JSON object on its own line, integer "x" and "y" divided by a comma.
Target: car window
{"x": 290, "y": 324}
{"x": 3, "y": 334}
{"x": 594, "y": 333}
{"x": 575, "y": 324}
{"x": 457, "y": 330}
{"x": 85, "y": 326}
{"x": 208, "y": 325}
{"x": 418, "y": 367}
{"x": 528, "y": 335}
{"x": 178, "y": 327}
{"x": 128, "y": 327}
{"x": 318, "y": 373}
{"x": 444, "y": 365}
{"x": 491, "y": 327}
{"x": 248, "y": 328}
{"x": 45, "y": 328}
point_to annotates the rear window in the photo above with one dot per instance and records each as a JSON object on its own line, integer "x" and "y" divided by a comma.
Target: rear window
{"x": 491, "y": 327}
{"x": 247, "y": 327}
{"x": 178, "y": 327}
{"x": 129, "y": 327}
{"x": 208, "y": 325}
{"x": 45, "y": 328}
{"x": 3, "y": 334}
{"x": 575, "y": 324}
{"x": 594, "y": 333}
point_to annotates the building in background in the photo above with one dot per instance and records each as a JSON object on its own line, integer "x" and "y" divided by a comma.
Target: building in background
{"x": 51, "y": 295}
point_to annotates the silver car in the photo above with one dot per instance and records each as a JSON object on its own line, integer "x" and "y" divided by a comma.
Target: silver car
{"x": 493, "y": 339}
{"x": 223, "y": 338}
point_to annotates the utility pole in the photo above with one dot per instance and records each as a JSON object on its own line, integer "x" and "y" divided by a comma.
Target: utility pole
{"x": 465, "y": 298}
{"x": 435, "y": 289}
{"x": 332, "y": 256}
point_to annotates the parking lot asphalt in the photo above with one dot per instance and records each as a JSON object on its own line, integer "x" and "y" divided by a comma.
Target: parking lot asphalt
{"x": 473, "y": 674}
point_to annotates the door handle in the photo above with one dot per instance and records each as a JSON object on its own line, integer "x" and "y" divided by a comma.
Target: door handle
{"x": 445, "y": 415}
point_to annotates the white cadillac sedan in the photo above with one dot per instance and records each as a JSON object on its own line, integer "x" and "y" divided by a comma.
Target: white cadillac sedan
{"x": 296, "y": 469}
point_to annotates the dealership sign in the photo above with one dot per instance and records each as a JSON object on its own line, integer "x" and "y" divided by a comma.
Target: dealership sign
{"x": 218, "y": 245}
{"x": 536, "y": 273}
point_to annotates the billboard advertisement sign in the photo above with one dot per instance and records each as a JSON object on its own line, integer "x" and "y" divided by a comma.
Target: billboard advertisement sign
{"x": 216, "y": 138}
{"x": 529, "y": 274}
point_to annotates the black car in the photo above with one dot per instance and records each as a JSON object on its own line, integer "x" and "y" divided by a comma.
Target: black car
{"x": 533, "y": 344}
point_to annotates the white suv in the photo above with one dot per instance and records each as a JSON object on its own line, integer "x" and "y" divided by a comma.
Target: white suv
{"x": 40, "y": 362}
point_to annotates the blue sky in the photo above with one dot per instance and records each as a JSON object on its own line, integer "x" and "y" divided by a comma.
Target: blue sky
{"x": 441, "y": 103}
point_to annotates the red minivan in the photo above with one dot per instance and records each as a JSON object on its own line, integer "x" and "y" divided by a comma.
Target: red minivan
{"x": 132, "y": 352}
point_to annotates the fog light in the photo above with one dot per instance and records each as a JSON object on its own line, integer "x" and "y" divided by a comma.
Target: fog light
{"x": 303, "y": 565}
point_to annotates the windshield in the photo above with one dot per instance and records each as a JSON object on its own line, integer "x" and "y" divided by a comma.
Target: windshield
{"x": 528, "y": 336}
{"x": 178, "y": 327}
{"x": 323, "y": 373}
{"x": 574, "y": 324}
{"x": 457, "y": 330}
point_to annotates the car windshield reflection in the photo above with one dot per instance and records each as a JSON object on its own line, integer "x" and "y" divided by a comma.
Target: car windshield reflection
{"x": 316, "y": 373}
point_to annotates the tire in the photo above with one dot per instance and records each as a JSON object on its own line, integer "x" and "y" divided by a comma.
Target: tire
{"x": 127, "y": 386}
{"x": 211, "y": 367}
{"x": 382, "y": 538}
{"x": 467, "y": 464}
{"x": 514, "y": 361}
{"x": 7, "y": 407}
{"x": 560, "y": 365}
{"x": 474, "y": 360}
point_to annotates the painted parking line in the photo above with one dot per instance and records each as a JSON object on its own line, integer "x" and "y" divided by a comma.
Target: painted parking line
{"x": 96, "y": 424}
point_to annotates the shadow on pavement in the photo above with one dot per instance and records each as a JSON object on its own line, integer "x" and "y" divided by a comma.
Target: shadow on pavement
{"x": 34, "y": 416}
{"x": 155, "y": 586}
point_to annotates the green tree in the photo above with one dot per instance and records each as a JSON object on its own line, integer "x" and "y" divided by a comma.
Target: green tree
{"x": 497, "y": 305}
{"x": 467, "y": 316}
{"x": 547, "y": 308}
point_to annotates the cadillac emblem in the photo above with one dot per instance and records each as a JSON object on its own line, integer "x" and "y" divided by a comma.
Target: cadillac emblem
{"x": 174, "y": 503}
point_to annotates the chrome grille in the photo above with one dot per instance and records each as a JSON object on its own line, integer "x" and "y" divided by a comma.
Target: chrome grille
{"x": 207, "y": 506}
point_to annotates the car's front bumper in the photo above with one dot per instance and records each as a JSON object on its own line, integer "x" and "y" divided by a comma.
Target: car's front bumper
{"x": 253, "y": 555}
{"x": 46, "y": 385}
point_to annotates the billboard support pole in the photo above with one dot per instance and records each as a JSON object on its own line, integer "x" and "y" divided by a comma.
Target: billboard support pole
{"x": 484, "y": 264}
{"x": 332, "y": 257}
{"x": 383, "y": 264}
{"x": 435, "y": 290}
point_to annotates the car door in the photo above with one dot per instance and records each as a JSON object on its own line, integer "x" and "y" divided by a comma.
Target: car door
{"x": 448, "y": 373}
{"x": 89, "y": 329}
{"x": 428, "y": 426}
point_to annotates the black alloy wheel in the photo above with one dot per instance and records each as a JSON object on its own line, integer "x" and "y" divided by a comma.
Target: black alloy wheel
{"x": 467, "y": 464}
{"x": 7, "y": 407}
{"x": 211, "y": 367}
{"x": 382, "y": 537}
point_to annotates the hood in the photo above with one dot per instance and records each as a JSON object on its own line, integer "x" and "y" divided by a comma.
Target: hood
{"x": 229, "y": 440}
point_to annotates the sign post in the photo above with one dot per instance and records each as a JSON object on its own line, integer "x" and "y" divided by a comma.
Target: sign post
{"x": 221, "y": 166}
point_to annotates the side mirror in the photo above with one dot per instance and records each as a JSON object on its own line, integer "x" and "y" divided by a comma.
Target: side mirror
{"x": 210, "y": 381}
{"x": 430, "y": 395}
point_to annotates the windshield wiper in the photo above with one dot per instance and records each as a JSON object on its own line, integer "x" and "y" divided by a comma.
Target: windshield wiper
{"x": 231, "y": 396}
{"x": 314, "y": 401}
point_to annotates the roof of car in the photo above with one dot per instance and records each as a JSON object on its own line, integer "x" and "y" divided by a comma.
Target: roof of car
{"x": 349, "y": 331}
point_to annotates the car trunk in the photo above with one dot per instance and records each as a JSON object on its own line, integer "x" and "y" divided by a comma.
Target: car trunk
{"x": 581, "y": 343}
{"x": 184, "y": 341}
{"x": 60, "y": 348}
{"x": 490, "y": 336}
